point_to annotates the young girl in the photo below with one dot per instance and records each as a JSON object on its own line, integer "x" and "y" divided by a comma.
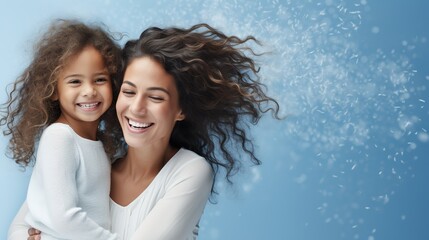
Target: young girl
{"x": 63, "y": 100}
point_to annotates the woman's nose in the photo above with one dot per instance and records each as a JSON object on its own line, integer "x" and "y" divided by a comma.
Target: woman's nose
{"x": 138, "y": 106}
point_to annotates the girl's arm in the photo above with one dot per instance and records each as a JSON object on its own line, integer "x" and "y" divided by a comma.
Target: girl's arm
{"x": 178, "y": 212}
{"x": 18, "y": 230}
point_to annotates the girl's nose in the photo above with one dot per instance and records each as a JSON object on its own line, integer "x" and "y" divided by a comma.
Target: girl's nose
{"x": 89, "y": 90}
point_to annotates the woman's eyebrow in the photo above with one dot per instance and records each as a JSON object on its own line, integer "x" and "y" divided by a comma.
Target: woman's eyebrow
{"x": 148, "y": 89}
{"x": 129, "y": 83}
{"x": 158, "y": 89}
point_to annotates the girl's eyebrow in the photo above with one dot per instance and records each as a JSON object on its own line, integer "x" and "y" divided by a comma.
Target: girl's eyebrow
{"x": 81, "y": 75}
{"x": 73, "y": 75}
{"x": 104, "y": 72}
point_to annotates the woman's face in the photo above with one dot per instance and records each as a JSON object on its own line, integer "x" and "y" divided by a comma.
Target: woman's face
{"x": 148, "y": 104}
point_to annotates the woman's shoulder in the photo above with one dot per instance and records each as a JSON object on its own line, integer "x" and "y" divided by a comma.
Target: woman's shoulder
{"x": 187, "y": 163}
{"x": 188, "y": 158}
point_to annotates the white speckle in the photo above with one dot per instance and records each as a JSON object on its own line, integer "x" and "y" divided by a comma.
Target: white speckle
{"x": 412, "y": 145}
{"x": 214, "y": 233}
{"x": 386, "y": 199}
{"x": 256, "y": 175}
{"x": 329, "y": 2}
{"x": 423, "y": 137}
{"x": 301, "y": 179}
{"x": 375, "y": 29}
{"x": 247, "y": 187}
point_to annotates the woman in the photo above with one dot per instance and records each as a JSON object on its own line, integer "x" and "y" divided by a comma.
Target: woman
{"x": 184, "y": 106}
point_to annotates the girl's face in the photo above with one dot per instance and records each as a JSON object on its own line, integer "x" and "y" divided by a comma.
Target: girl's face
{"x": 84, "y": 89}
{"x": 148, "y": 104}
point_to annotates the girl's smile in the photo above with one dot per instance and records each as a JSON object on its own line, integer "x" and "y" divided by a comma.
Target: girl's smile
{"x": 89, "y": 106}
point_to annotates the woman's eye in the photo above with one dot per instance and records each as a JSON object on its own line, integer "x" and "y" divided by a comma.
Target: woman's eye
{"x": 128, "y": 92}
{"x": 157, "y": 98}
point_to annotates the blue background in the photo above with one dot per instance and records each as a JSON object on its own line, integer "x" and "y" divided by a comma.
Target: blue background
{"x": 349, "y": 162}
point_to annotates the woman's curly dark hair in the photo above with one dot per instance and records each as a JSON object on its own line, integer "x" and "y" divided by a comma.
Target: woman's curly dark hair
{"x": 219, "y": 90}
{"x": 30, "y": 107}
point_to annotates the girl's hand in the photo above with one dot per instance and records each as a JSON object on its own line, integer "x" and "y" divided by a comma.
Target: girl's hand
{"x": 34, "y": 234}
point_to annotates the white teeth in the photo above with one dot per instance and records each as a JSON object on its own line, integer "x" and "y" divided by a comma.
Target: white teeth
{"x": 89, "y": 105}
{"x": 137, "y": 124}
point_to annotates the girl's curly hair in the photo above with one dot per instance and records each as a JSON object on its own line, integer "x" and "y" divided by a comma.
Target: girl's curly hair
{"x": 220, "y": 91}
{"x": 30, "y": 108}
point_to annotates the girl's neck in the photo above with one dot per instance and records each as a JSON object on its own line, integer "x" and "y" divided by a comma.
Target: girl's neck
{"x": 86, "y": 130}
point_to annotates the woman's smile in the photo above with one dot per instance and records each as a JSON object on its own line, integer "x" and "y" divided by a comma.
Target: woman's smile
{"x": 138, "y": 126}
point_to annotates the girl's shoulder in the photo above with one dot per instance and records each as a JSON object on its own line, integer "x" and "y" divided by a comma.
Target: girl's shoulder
{"x": 57, "y": 132}
{"x": 65, "y": 133}
{"x": 58, "y": 128}
{"x": 56, "y": 136}
{"x": 58, "y": 125}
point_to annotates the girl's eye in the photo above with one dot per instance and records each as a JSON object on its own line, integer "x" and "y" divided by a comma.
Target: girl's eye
{"x": 74, "y": 81}
{"x": 101, "y": 80}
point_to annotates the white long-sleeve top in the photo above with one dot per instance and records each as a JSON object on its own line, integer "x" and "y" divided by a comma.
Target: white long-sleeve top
{"x": 168, "y": 209}
{"x": 68, "y": 193}
{"x": 171, "y": 206}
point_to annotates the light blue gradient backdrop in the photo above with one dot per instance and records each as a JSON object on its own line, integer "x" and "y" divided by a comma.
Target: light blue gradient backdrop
{"x": 351, "y": 159}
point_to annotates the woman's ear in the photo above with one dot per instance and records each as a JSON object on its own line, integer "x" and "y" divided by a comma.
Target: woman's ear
{"x": 180, "y": 116}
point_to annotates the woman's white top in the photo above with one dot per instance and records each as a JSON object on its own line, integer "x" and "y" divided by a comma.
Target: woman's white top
{"x": 171, "y": 206}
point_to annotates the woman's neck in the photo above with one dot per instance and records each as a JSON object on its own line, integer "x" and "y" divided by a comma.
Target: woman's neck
{"x": 145, "y": 162}
{"x": 132, "y": 174}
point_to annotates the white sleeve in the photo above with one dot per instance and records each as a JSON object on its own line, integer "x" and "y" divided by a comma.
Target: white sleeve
{"x": 56, "y": 166}
{"x": 178, "y": 212}
{"x": 18, "y": 230}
